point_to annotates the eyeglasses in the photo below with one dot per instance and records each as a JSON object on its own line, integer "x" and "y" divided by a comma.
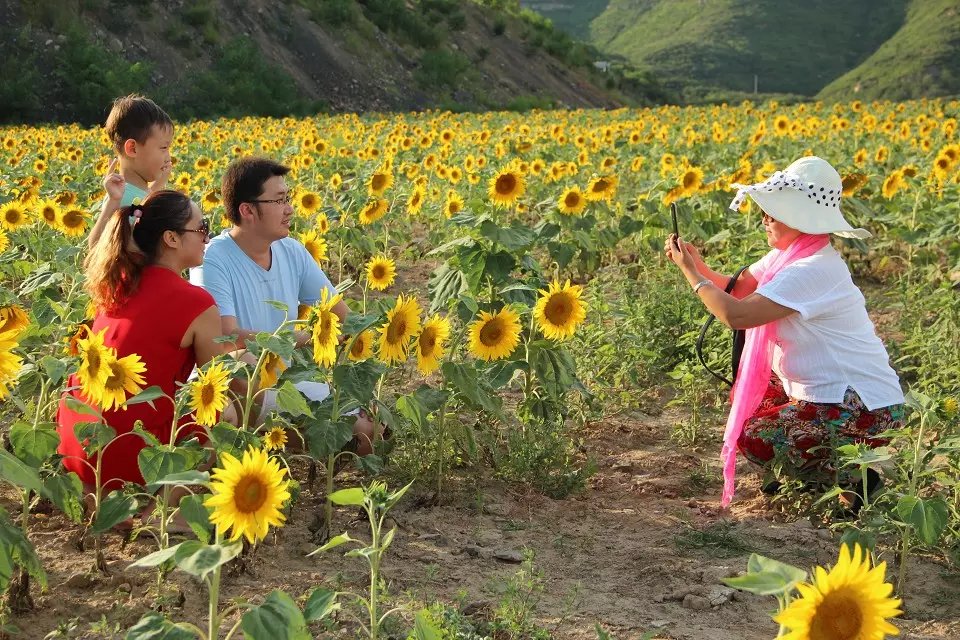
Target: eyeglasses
{"x": 287, "y": 199}
{"x": 204, "y": 228}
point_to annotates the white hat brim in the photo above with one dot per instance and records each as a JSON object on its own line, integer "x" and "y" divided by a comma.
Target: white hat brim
{"x": 801, "y": 212}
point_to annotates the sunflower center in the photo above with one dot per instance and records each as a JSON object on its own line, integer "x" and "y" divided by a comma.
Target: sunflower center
{"x": 249, "y": 494}
{"x": 117, "y": 377}
{"x": 491, "y": 333}
{"x": 357, "y": 349}
{"x": 506, "y": 184}
{"x": 93, "y": 362}
{"x": 572, "y": 200}
{"x": 49, "y": 214}
{"x": 600, "y": 186}
{"x": 837, "y": 618}
{"x": 72, "y": 219}
{"x": 689, "y": 179}
{"x": 396, "y": 329}
{"x": 428, "y": 340}
{"x": 13, "y": 216}
{"x": 379, "y": 272}
{"x": 207, "y": 394}
{"x": 378, "y": 181}
{"x": 558, "y": 309}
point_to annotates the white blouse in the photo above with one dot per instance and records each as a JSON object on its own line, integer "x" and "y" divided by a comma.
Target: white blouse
{"x": 830, "y": 343}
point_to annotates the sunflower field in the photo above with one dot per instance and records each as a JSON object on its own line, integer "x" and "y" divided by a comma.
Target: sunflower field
{"x": 508, "y": 294}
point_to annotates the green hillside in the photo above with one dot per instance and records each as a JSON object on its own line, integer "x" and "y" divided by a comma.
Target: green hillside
{"x": 699, "y": 47}
{"x": 572, "y": 16}
{"x": 921, "y": 59}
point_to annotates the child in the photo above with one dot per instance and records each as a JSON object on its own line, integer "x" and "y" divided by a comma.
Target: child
{"x": 141, "y": 133}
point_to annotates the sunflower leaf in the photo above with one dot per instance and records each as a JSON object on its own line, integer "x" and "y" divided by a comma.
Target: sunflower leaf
{"x": 424, "y": 628}
{"x": 181, "y": 479}
{"x": 32, "y": 444}
{"x": 147, "y": 395}
{"x": 94, "y": 435}
{"x": 292, "y": 402}
{"x": 157, "y": 557}
{"x": 927, "y": 516}
{"x": 463, "y": 378}
{"x": 160, "y": 462}
{"x": 66, "y": 492}
{"x": 154, "y": 626}
{"x": 114, "y": 510}
{"x": 19, "y": 474}
{"x": 333, "y": 542}
{"x": 278, "y": 618}
{"x": 358, "y": 380}
{"x": 16, "y": 550}
{"x": 321, "y": 603}
{"x": 200, "y": 559}
{"x": 197, "y": 516}
{"x": 352, "y": 496}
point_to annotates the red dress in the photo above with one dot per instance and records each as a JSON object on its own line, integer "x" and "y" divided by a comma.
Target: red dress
{"x": 150, "y": 324}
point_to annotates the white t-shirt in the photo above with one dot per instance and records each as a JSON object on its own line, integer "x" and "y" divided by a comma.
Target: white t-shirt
{"x": 830, "y": 343}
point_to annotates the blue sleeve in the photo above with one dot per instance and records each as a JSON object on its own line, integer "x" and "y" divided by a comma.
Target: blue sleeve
{"x": 314, "y": 280}
{"x": 214, "y": 279}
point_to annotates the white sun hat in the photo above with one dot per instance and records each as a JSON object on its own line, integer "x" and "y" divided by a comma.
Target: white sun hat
{"x": 804, "y": 196}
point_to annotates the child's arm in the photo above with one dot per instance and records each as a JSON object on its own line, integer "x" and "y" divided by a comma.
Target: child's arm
{"x": 161, "y": 182}
{"x": 113, "y": 184}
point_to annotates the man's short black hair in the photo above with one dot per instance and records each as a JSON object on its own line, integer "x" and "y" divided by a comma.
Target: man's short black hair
{"x": 243, "y": 182}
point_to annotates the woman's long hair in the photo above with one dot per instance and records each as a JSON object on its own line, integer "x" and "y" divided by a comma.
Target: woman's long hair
{"x": 114, "y": 265}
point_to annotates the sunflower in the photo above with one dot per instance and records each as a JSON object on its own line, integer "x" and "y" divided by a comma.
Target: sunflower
{"x": 435, "y": 332}
{"x": 9, "y": 363}
{"x": 381, "y": 272}
{"x": 506, "y": 188}
{"x": 362, "y": 347}
{"x": 276, "y": 439}
{"x": 211, "y": 199}
{"x": 495, "y": 335}
{"x": 4, "y": 241}
{"x": 13, "y": 319}
{"x": 559, "y": 310}
{"x": 691, "y": 181}
{"x": 308, "y": 201}
{"x": 852, "y": 183}
{"x": 208, "y": 394}
{"x": 247, "y": 494}
{"x": 124, "y": 379}
{"x": 49, "y": 212}
{"x": 73, "y": 222}
{"x": 13, "y": 216}
{"x": 892, "y": 184}
{"x": 379, "y": 182}
{"x": 849, "y": 602}
{"x": 326, "y": 332}
{"x": 572, "y": 202}
{"x": 374, "y": 210}
{"x": 453, "y": 205}
{"x": 322, "y": 224}
{"x": 95, "y": 359}
{"x": 273, "y": 365}
{"x": 415, "y": 201}
{"x": 403, "y": 322}
{"x": 315, "y": 245}
{"x": 601, "y": 188}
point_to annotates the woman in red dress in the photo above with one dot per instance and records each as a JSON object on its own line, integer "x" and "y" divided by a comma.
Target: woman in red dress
{"x": 148, "y": 309}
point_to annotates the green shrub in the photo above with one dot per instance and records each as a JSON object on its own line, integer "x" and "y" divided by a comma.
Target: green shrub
{"x": 441, "y": 69}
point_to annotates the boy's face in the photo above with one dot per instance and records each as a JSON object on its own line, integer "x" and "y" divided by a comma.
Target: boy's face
{"x": 149, "y": 158}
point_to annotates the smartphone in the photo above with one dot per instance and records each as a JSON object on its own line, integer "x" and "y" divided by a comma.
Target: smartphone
{"x": 673, "y": 219}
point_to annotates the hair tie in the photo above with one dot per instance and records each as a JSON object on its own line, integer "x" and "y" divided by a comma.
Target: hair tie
{"x": 135, "y": 216}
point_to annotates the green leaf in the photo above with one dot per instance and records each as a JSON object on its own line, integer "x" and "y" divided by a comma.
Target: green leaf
{"x": 65, "y": 490}
{"x": 357, "y": 323}
{"x": 514, "y": 238}
{"x": 325, "y": 438}
{"x": 229, "y": 439}
{"x": 278, "y": 618}
{"x": 562, "y": 253}
{"x": 275, "y": 344}
{"x": 154, "y": 626}
{"x": 499, "y": 267}
{"x": 358, "y": 380}
{"x": 423, "y": 627}
{"x": 320, "y": 604}
{"x": 77, "y": 405}
{"x": 17, "y": 551}
{"x": 463, "y": 377}
{"x": 115, "y": 509}
{"x": 767, "y": 577}
{"x": 159, "y": 462}
{"x": 352, "y": 496}
{"x": 34, "y": 445}
{"x": 554, "y": 366}
{"x": 927, "y": 516}
{"x": 197, "y": 516}
{"x": 370, "y": 464}
{"x": 147, "y": 395}
{"x": 446, "y": 284}
{"x": 55, "y": 368}
{"x": 157, "y": 558}
{"x": 292, "y": 402}
{"x": 181, "y": 479}
{"x": 94, "y": 435}
{"x": 17, "y": 473}
{"x": 462, "y": 241}
{"x": 200, "y": 559}
{"x": 332, "y": 543}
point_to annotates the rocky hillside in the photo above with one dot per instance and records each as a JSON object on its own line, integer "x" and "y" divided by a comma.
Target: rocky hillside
{"x": 65, "y": 59}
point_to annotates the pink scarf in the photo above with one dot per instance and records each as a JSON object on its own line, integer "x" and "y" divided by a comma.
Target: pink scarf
{"x": 753, "y": 374}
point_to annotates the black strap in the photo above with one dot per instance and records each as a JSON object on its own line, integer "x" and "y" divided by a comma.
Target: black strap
{"x": 739, "y": 336}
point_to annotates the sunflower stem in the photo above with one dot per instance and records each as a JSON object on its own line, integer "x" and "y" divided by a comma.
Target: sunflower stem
{"x": 213, "y": 628}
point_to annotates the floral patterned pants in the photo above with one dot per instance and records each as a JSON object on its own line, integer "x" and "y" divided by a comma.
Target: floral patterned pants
{"x": 803, "y": 436}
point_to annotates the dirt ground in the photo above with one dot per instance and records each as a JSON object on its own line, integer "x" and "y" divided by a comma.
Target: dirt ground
{"x": 612, "y": 554}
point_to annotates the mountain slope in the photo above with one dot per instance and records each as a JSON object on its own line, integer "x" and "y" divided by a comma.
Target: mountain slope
{"x": 699, "y": 46}
{"x": 572, "y": 16}
{"x": 921, "y": 59}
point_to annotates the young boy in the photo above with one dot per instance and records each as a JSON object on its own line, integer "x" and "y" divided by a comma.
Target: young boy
{"x": 141, "y": 133}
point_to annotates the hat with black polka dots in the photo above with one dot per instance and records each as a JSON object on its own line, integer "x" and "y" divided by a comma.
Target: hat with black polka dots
{"x": 804, "y": 196}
